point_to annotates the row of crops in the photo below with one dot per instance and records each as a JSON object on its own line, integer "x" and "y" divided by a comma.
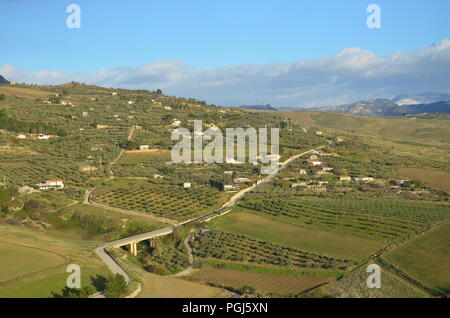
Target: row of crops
{"x": 236, "y": 247}
{"x": 337, "y": 219}
{"x": 32, "y": 171}
{"x": 162, "y": 199}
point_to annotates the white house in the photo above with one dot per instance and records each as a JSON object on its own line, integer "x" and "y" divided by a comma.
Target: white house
{"x": 130, "y": 102}
{"x": 21, "y": 136}
{"x": 303, "y": 171}
{"x": 51, "y": 184}
{"x": 158, "y": 176}
{"x": 345, "y": 178}
{"x": 327, "y": 169}
{"x": 42, "y": 136}
{"x": 229, "y": 187}
{"x": 144, "y": 147}
{"x": 186, "y": 185}
{"x": 114, "y": 94}
{"x": 316, "y": 163}
{"x": 230, "y": 173}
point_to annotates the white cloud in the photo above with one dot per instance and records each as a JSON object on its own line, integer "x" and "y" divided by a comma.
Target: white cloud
{"x": 351, "y": 74}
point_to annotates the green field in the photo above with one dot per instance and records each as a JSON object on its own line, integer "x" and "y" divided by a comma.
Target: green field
{"x": 426, "y": 258}
{"x": 19, "y": 260}
{"x": 325, "y": 243}
{"x": 40, "y": 271}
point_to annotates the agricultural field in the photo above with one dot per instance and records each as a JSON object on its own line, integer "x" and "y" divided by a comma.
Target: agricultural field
{"x": 425, "y": 258}
{"x": 41, "y": 271}
{"x": 437, "y": 179}
{"x": 267, "y": 284}
{"x": 354, "y": 285}
{"x": 166, "y": 200}
{"x": 322, "y": 242}
{"x": 155, "y": 286}
{"x": 241, "y": 248}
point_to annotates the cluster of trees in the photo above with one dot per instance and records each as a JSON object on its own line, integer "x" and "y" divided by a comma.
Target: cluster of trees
{"x": 16, "y": 125}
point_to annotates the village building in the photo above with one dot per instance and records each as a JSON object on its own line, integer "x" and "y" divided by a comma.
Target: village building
{"x": 303, "y": 171}
{"x": 241, "y": 180}
{"x": 51, "y": 184}
{"x": 158, "y": 176}
{"x": 227, "y": 187}
{"x": 345, "y": 178}
{"x": 316, "y": 162}
{"x": 87, "y": 168}
{"x": 186, "y": 185}
{"x": 42, "y": 136}
{"x": 144, "y": 147}
{"x": 21, "y": 136}
{"x": 114, "y": 94}
{"x": 230, "y": 173}
{"x": 98, "y": 126}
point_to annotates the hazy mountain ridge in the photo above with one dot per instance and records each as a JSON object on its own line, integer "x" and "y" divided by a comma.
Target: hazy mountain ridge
{"x": 398, "y": 106}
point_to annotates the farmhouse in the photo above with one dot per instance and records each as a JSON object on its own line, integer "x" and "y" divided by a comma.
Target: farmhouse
{"x": 303, "y": 171}
{"x": 186, "y": 185}
{"x": 130, "y": 102}
{"x": 327, "y": 169}
{"x": 158, "y": 176}
{"x": 364, "y": 179}
{"x": 230, "y": 173}
{"x": 21, "y": 136}
{"x": 315, "y": 162}
{"x": 297, "y": 185}
{"x": 345, "y": 178}
{"x": 87, "y": 168}
{"x": 229, "y": 187}
{"x": 98, "y": 126}
{"x": 241, "y": 180}
{"x": 144, "y": 147}
{"x": 319, "y": 133}
{"x": 51, "y": 184}
{"x": 114, "y": 94}
{"x": 42, "y": 136}
{"x": 313, "y": 157}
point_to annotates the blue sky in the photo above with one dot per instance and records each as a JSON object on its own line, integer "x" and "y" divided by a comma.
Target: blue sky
{"x": 207, "y": 33}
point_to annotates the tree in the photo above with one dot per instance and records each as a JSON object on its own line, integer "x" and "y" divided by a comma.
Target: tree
{"x": 116, "y": 286}
{"x": 159, "y": 91}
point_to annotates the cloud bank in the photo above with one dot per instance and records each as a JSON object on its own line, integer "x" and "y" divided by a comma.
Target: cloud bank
{"x": 350, "y": 75}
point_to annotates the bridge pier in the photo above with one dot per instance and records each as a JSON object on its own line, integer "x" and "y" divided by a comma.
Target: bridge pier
{"x": 133, "y": 248}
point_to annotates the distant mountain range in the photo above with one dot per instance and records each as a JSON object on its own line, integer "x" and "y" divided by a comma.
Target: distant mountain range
{"x": 3, "y": 80}
{"x": 398, "y": 106}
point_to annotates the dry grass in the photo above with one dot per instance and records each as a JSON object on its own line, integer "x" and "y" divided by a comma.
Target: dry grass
{"x": 436, "y": 179}
{"x": 155, "y": 286}
{"x": 23, "y": 92}
{"x": 281, "y": 285}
